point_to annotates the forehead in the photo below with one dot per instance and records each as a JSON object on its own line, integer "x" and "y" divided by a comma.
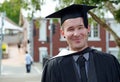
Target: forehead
{"x": 73, "y": 22}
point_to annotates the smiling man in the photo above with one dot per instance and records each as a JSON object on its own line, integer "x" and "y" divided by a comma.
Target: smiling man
{"x": 79, "y": 63}
{"x": 76, "y": 34}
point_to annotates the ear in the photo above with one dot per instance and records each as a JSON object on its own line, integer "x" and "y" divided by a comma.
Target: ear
{"x": 62, "y": 32}
{"x": 88, "y": 28}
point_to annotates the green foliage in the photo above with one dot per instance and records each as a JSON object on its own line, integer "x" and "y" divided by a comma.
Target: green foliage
{"x": 91, "y": 21}
{"x": 119, "y": 55}
{"x": 34, "y": 3}
{"x": 37, "y": 23}
{"x": 115, "y": 1}
{"x": 117, "y": 16}
{"x": 55, "y": 20}
{"x": 13, "y": 7}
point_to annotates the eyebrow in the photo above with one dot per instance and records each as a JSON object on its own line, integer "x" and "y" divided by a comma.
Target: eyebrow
{"x": 81, "y": 25}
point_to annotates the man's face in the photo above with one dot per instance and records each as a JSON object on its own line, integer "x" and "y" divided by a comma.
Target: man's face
{"x": 75, "y": 33}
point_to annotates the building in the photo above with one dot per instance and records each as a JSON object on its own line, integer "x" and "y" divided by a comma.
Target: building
{"x": 12, "y": 33}
{"x": 45, "y": 46}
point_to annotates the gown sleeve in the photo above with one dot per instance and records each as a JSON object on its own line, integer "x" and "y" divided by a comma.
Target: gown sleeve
{"x": 117, "y": 64}
{"x": 107, "y": 67}
{"x": 114, "y": 70}
{"x": 50, "y": 72}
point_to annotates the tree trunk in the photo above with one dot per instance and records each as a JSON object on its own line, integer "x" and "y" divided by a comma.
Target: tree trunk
{"x": 119, "y": 55}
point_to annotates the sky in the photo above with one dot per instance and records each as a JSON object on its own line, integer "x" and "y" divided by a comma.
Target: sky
{"x": 46, "y": 9}
{"x": 1, "y": 1}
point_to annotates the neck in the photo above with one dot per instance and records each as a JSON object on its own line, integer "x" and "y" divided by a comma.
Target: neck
{"x": 78, "y": 49}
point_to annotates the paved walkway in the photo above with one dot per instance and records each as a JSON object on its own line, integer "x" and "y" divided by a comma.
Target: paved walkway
{"x": 13, "y": 68}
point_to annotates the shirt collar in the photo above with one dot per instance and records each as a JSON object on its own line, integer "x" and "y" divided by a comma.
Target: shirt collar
{"x": 86, "y": 55}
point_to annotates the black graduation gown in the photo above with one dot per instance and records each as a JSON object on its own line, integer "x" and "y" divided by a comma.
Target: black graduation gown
{"x": 62, "y": 69}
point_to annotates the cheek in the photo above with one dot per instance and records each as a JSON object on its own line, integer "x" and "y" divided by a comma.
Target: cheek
{"x": 84, "y": 34}
{"x": 68, "y": 34}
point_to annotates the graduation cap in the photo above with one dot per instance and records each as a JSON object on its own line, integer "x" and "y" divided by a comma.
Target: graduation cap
{"x": 72, "y": 11}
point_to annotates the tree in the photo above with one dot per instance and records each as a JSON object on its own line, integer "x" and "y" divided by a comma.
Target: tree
{"x": 13, "y": 7}
{"x": 107, "y": 5}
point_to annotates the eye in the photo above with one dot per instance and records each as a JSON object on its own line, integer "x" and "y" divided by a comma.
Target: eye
{"x": 80, "y": 27}
{"x": 70, "y": 29}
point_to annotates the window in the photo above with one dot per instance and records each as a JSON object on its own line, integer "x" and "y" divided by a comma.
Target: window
{"x": 42, "y": 31}
{"x": 43, "y": 52}
{"x": 115, "y": 27}
{"x": 94, "y": 33}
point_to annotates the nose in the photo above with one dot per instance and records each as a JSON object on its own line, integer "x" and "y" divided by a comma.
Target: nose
{"x": 76, "y": 33}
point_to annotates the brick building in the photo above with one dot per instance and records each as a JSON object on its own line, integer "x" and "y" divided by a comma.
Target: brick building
{"x": 98, "y": 39}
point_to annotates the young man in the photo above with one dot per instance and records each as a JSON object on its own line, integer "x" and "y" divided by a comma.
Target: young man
{"x": 29, "y": 61}
{"x": 79, "y": 63}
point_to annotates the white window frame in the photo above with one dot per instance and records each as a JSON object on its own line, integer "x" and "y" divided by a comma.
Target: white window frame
{"x": 43, "y": 30}
{"x": 92, "y": 38}
{"x": 43, "y": 52}
{"x": 115, "y": 27}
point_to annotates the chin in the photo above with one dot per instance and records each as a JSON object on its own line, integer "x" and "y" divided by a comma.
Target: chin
{"x": 78, "y": 47}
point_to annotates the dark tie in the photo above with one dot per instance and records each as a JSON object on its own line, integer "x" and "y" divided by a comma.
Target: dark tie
{"x": 81, "y": 62}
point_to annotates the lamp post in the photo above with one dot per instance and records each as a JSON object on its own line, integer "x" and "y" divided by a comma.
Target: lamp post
{"x": 51, "y": 34}
{"x": 107, "y": 42}
{"x": 1, "y": 36}
{"x": 51, "y": 43}
{"x": 30, "y": 38}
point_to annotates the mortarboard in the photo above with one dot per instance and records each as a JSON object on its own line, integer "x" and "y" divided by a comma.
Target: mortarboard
{"x": 72, "y": 11}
